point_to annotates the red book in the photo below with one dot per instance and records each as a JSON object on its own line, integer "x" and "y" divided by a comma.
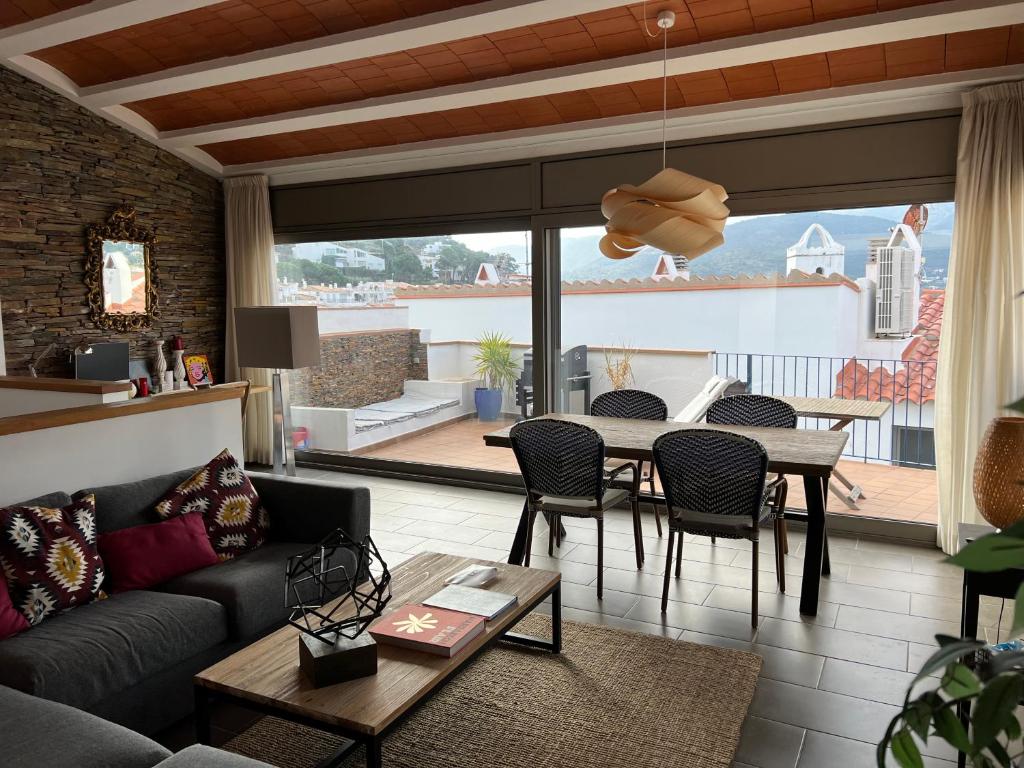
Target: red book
{"x": 427, "y": 629}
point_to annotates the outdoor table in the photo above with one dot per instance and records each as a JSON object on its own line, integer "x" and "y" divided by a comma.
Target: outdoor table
{"x": 810, "y": 453}
{"x": 843, "y": 411}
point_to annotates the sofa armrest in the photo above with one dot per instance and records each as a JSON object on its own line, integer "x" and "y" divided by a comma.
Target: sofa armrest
{"x": 305, "y": 511}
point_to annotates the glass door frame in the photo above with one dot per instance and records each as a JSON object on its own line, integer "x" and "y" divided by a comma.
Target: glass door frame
{"x": 546, "y": 331}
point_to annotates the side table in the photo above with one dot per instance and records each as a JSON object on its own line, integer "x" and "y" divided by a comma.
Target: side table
{"x": 1002, "y": 584}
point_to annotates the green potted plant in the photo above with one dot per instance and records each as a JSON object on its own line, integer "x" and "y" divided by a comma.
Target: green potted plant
{"x": 993, "y": 684}
{"x": 497, "y": 370}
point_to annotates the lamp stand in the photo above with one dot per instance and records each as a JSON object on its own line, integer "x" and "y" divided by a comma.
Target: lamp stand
{"x": 284, "y": 448}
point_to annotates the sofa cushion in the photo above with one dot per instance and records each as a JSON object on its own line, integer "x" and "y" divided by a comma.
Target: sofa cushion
{"x": 39, "y": 732}
{"x": 198, "y": 756}
{"x": 250, "y": 587}
{"x": 52, "y": 500}
{"x": 11, "y": 619}
{"x": 127, "y": 504}
{"x": 236, "y": 521}
{"x": 49, "y": 557}
{"x": 145, "y": 556}
{"x": 85, "y": 655}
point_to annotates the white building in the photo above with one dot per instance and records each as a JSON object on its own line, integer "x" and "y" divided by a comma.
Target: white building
{"x": 341, "y": 255}
{"x": 826, "y": 257}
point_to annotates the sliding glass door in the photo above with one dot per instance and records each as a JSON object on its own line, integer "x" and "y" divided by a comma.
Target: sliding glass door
{"x": 426, "y": 345}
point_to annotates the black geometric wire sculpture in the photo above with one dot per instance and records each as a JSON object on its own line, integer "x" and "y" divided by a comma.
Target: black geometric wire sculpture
{"x": 318, "y": 577}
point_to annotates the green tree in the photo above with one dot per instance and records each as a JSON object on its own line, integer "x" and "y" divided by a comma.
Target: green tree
{"x": 290, "y": 271}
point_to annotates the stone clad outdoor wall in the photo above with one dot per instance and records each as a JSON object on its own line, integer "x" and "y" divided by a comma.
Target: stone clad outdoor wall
{"x": 360, "y": 368}
{"x": 63, "y": 168}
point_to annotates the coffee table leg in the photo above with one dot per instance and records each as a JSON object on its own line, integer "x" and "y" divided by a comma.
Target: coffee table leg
{"x": 374, "y": 759}
{"x": 201, "y": 717}
{"x": 556, "y": 619}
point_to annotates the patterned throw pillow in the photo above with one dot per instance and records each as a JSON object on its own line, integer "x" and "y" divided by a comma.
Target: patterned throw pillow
{"x": 235, "y": 520}
{"x": 49, "y": 557}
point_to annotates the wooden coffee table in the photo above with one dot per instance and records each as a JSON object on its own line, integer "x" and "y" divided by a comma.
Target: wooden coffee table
{"x": 265, "y": 675}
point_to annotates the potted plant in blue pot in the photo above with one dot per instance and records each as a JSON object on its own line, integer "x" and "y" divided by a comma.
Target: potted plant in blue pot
{"x": 497, "y": 370}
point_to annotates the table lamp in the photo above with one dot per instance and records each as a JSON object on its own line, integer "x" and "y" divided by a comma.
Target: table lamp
{"x": 282, "y": 339}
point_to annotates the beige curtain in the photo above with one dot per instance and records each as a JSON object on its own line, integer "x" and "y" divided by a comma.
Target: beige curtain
{"x": 249, "y": 239}
{"x": 981, "y": 355}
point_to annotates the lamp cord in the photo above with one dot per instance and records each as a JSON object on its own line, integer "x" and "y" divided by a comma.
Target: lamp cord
{"x": 664, "y": 99}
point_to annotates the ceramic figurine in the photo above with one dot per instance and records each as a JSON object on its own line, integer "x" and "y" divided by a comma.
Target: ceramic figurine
{"x": 159, "y": 365}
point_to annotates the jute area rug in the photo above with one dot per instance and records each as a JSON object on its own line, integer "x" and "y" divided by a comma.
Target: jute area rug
{"x": 613, "y": 698}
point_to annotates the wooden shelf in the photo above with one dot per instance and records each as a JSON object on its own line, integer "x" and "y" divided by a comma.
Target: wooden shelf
{"x": 31, "y": 422}
{"x": 52, "y": 384}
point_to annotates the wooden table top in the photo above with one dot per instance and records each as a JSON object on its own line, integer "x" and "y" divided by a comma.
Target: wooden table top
{"x": 810, "y": 452}
{"x": 838, "y": 408}
{"x": 267, "y": 672}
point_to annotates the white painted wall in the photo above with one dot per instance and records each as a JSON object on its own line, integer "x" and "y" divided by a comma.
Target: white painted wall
{"x": 814, "y": 320}
{"x": 116, "y": 450}
{"x": 15, "y": 402}
{"x": 345, "y": 320}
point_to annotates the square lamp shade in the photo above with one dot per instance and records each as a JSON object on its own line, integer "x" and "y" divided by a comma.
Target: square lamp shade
{"x": 277, "y": 337}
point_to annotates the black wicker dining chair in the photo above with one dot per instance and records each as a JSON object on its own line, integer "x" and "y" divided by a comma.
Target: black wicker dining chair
{"x": 633, "y": 404}
{"x": 762, "y": 411}
{"x": 562, "y": 464}
{"x": 714, "y": 484}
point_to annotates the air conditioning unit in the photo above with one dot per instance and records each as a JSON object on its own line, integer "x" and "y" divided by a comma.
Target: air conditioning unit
{"x": 894, "y": 299}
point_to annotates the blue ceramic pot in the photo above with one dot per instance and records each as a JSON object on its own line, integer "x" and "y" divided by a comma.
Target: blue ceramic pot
{"x": 488, "y": 403}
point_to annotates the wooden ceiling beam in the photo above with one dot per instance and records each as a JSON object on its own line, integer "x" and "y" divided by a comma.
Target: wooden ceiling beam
{"x": 415, "y": 32}
{"x": 911, "y": 95}
{"x": 95, "y": 18}
{"x": 839, "y": 34}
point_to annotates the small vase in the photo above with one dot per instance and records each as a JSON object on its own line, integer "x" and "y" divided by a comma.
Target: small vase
{"x": 999, "y": 472}
{"x": 179, "y": 368}
{"x": 159, "y": 364}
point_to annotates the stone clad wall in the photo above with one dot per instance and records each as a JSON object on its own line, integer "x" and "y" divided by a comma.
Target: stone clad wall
{"x": 360, "y": 368}
{"x": 63, "y": 168}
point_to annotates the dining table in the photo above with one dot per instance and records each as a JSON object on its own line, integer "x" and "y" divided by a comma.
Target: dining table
{"x": 810, "y": 453}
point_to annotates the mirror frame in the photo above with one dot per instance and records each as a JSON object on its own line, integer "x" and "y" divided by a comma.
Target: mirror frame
{"x": 120, "y": 226}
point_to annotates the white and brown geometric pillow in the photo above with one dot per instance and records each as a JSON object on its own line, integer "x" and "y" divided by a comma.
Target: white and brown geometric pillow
{"x": 235, "y": 520}
{"x": 49, "y": 557}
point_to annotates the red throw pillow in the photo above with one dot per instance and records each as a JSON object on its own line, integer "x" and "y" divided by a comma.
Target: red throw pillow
{"x": 49, "y": 557}
{"x": 235, "y": 520}
{"x": 11, "y": 622}
{"x": 147, "y": 555}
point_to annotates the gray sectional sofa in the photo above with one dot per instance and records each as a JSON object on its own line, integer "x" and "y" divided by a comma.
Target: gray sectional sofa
{"x": 38, "y": 733}
{"x": 130, "y": 658}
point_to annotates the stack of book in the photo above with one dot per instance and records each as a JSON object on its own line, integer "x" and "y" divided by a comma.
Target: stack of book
{"x": 445, "y": 623}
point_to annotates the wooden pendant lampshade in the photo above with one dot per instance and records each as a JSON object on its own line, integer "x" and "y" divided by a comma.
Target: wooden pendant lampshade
{"x": 672, "y": 211}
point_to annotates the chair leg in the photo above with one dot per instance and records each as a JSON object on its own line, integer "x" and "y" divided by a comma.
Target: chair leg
{"x": 780, "y": 511}
{"x": 778, "y": 527}
{"x": 657, "y": 507}
{"x": 712, "y": 539}
{"x": 679, "y": 556}
{"x": 600, "y": 558}
{"x": 668, "y": 570}
{"x": 552, "y": 525}
{"x": 753, "y": 590}
{"x": 638, "y": 537}
{"x": 529, "y": 536}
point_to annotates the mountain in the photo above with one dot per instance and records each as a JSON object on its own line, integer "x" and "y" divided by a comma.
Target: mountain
{"x": 758, "y": 244}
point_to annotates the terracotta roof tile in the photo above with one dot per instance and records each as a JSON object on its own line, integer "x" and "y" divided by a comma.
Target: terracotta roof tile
{"x": 915, "y": 379}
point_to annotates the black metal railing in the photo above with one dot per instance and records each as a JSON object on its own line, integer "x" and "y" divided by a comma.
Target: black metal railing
{"x": 903, "y": 436}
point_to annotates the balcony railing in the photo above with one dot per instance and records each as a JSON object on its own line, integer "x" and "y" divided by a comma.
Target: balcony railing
{"x": 903, "y": 437}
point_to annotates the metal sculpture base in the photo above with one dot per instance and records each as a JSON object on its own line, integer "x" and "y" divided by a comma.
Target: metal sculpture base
{"x": 347, "y": 659}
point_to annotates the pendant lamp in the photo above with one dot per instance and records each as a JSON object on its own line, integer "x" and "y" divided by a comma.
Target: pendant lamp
{"x": 672, "y": 211}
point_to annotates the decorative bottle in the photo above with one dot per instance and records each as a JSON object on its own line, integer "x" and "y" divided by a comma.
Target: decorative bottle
{"x": 179, "y": 365}
{"x": 159, "y": 365}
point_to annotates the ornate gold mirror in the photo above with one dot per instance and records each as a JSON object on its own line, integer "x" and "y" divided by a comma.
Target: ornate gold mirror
{"x": 120, "y": 273}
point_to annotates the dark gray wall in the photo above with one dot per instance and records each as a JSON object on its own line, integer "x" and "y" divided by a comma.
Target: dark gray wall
{"x": 885, "y": 161}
